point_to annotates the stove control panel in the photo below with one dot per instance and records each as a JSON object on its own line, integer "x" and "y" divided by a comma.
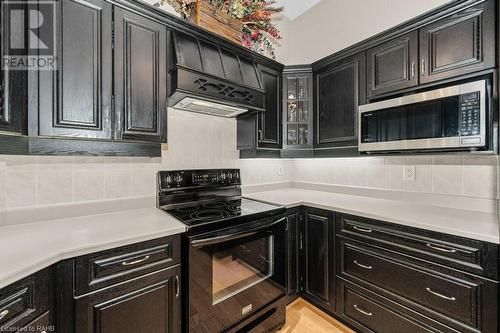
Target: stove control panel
{"x": 196, "y": 178}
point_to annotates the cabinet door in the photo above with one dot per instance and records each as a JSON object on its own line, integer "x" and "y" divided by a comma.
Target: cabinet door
{"x": 319, "y": 232}
{"x": 340, "y": 89}
{"x": 269, "y": 122}
{"x": 393, "y": 65}
{"x": 140, "y": 78}
{"x": 75, "y": 101}
{"x": 459, "y": 44}
{"x": 293, "y": 254}
{"x": 148, "y": 304}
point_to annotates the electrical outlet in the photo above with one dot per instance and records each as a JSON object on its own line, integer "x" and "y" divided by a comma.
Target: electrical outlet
{"x": 410, "y": 173}
{"x": 280, "y": 171}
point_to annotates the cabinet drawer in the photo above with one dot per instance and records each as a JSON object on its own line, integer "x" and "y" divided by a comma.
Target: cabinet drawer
{"x": 39, "y": 325}
{"x": 466, "y": 254}
{"x": 369, "y": 312}
{"x": 445, "y": 294}
{"x": 23, "y": 301}
{"x": 99, "y": 270}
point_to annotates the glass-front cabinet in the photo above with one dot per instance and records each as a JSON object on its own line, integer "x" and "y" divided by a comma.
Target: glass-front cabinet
{"x": 298, "y": 108}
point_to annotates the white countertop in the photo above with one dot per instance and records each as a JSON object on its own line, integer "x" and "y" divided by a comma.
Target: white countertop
{"x": 465, "y": 223}
{"x": 28, "y": 248}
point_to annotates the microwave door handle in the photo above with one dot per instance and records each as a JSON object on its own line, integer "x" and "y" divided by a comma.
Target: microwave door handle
{"x": 232, "y": 236}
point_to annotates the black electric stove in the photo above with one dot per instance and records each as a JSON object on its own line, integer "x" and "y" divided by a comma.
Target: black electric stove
{"x": 208, "y": 200}
{"x": 227, "y": 235}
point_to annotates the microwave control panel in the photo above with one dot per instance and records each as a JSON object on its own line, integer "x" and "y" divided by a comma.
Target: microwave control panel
{"x": 470, "y": 110}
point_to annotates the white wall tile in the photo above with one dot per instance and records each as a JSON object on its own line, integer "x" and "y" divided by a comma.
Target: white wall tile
{"x": 117, "y": 183}
{"x": 88, "y": 184}
{"x": 447, "y": 175}
{"x": 394, "y": 173}
{"x": 479, "y": 177}
{"x": 54, "y": 186}
{"x": 423, "y": 174}
{"x": 20, "y": 188}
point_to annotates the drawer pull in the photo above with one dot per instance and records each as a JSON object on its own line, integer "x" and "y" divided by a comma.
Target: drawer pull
{"x": 440, "y": 295}
{"x": 366, "y": 313}
{"x": 4, "y": 313}
{"x": 362, "y": 266}
{"x": 442, "y": 249}
{"x": 129, "y": 263}
{"x": 362, "y": 229}
{"x": 177, "y": 287}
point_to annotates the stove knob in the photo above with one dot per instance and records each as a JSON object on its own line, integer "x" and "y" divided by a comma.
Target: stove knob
{"x": 222, "y": 176}
{"x": 168, "y": 180}
{"x": 230, "y": 176}
{"x": 178, "y": 179}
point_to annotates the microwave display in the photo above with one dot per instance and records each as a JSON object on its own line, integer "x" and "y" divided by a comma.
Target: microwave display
{"x": 452, "y": 117}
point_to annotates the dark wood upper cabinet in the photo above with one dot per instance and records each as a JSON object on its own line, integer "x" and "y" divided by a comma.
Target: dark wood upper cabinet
{"x": 75, "y": 101}
{"x": 340, "y": 89}
{"x": 140, "y": 77}
{"x": 393, "y": 65}
{"x": 458, "y": 44}
{"x": 269, "y": 122}
{"x": 319, "y": 235}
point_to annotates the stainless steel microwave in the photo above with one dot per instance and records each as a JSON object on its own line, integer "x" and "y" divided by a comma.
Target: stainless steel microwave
{"x": 453, "y": 117}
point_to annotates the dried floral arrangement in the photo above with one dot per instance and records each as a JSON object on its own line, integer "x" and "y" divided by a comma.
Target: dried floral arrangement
{"x": 257, "y": 31}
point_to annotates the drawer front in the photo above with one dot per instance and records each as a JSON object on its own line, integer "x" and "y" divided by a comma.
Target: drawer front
{"x": 469, "y": 255}
{"x": 439, "y": 292}
{"x": 370, "y": 313}
{"x": 23, "y": 301}
{"x": 99, "y": 270}
{"x": 39, "y": 325}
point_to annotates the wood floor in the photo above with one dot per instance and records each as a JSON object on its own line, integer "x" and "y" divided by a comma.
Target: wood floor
{"x": 302, "y": 317}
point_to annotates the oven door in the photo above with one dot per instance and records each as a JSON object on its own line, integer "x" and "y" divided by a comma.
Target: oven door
{"x": 235, "y": 273}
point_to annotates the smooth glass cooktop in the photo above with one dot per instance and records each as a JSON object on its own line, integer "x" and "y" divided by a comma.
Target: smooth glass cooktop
{"x": 219, "y": 210}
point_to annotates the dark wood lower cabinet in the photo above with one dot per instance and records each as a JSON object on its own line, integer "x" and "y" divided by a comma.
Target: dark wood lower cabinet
{"x": 319, "y": 258}
{"x": 147, "y": 304}
{"x": 293, "y": 254}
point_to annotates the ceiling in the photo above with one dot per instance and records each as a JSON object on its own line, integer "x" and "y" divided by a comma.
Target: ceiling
{"x": 295, "y": 8}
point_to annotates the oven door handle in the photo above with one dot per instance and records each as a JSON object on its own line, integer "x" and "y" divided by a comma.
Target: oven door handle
{"x": 233, "y": 236}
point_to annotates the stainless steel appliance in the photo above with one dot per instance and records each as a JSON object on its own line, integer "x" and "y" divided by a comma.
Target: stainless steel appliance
{"x": 233, "y": 251}
{"x": 453, "y": 117}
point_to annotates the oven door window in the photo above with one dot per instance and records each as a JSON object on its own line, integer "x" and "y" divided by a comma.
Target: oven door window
{"x": 241, "y": 266}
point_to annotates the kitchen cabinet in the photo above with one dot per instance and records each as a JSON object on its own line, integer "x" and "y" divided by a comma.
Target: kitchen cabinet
{"x": 260, "y": 134}
{"x": 458, "y": 44}
{"x": 294, "y": 243}
{"x": 319, "y": 258}
{"x": 23, "y": 302}
{"x": 340, "y": 89}
{"x": 148, "y": 304}
{"x": 393, "y": 65}
{"x": 140, "y": 77}
{"x": 297, "y": 109}
{"x": 269, "y": 122}
{"x": 76, "y": 100}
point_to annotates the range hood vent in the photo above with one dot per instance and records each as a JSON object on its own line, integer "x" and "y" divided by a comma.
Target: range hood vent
{"x": 209, "y": 79}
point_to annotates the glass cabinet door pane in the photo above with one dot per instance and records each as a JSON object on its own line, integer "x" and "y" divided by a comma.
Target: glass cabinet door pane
{"x": 292, "y": 111}
{"x": 303, "y": 111}
{"x": 292, "y": 89}
{"x": 303, "y": 138}
{"x": 303, "y": 85}
{"x": 292, "y": 134}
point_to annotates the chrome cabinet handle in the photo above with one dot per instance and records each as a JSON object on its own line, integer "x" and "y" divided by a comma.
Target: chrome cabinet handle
{"x": 362, "y": 266}
{"x": 366, "y": 313}
{"x": 129, "y": 263}
{"x": 264, "y": 258}
{"x": 4, "y": 313}
{"x": 260, "y": 135}
{"x": 413, "y": 69}
{"x": 442, "y": 249}
{"x": 177, "y": 287}
{"x": 423, "y": 66}
{"x": 363, "y": 229}
{"x": 440, "y": 295}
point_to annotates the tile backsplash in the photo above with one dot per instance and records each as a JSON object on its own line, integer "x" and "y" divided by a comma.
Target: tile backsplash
{"x": 198, "y": 141}
{"x": 468, "y": 176}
